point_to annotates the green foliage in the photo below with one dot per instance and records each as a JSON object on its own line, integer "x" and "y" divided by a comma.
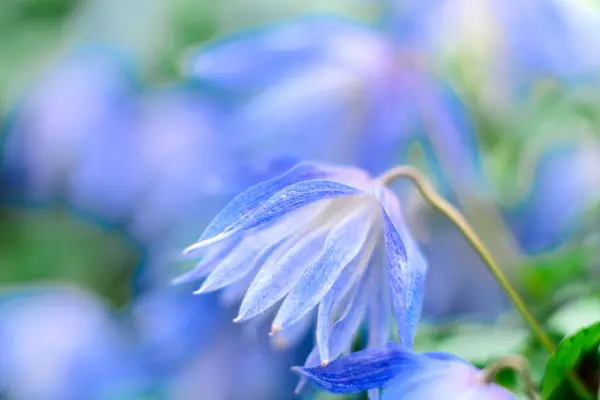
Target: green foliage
{"x": 578, "y": 354}
{"x": 543, "y": 277}
{"x": 53, "y": 244}
{"x": 575, "y": 315}
{"x": 478, "y": 343}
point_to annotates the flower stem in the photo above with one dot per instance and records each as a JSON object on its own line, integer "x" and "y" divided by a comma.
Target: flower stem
{"x": 516, "y": 363}
{"x": 442, "y": 205}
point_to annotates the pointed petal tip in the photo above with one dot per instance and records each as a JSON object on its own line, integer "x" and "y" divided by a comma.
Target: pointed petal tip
{"x": 242, "y": 317}
{"x": 203, "y": 243}
{"x": 192, "y": 247}
{"x": 206, "y": 287}
{"x": 302, "y": 382}
{"x": 298, "y": 370}
{"x": 274, "y": 329}
{"x": 179, "y": 280}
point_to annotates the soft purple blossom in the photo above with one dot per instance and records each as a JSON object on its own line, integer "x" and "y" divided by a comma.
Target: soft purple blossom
{"x": 405, "y": 375}
{"x": 319, "y": 238}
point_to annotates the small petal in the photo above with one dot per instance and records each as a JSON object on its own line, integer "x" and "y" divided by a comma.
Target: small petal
{"x": 280, "y": 273}
{"x": 406, "y": 269}
{"x": 342, "y": 245}
{"x": 296, "y": 196}
{"x": 363, "y": 370}
{"x": 404, "y": 375}
{"x": 344, "y": 329}
{"x": 380, "y": 307}
{"x": 339, "y": 293}
{"x": 244, "y": 205}
{"x": 282, "y": 203}
{"x": 447, "y": 378}
{"x": 236, "y": 265}
{"x": 292, "y": 335}
{"x": 209, "y": 262}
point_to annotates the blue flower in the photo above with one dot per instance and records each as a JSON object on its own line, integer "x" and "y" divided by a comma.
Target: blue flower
{"x": 168, "y": 161}
{"x": 566, "y": 183}
{"x": 319, "y": 239}
{"x": 80, "y": 98}
{"x": 549, "y": 38}
{"x": 86, "y": 352}
{"x": 459, "y": 286}
{"x": 192, "y": 346}
{"x": 316, "y": 88}
{"x": 331, "y": 90}
{"x": 405, "y": 375}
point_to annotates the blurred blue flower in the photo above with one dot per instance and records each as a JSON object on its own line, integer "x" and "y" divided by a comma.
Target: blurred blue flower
{"x": 318, "y": 235}
{"x": 172, "y": 160}
{"x": 59, "y": 342}
{"x": 315, "y": 88}
{"x": 458, "y": 285}
{"x": 84, "y": 95}
{"x": 550, "y": 39}
{"x": 191, "y": 345}
{"x": 566, "y": 184}
{"x": 327, "y": 89}
{"x": 405, "y": 375}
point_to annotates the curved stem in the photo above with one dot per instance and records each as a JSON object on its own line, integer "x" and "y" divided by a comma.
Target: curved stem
{"x": 439, "y": 203}
{"x": 442, "y": 205}
{"x": 516, "y": 363}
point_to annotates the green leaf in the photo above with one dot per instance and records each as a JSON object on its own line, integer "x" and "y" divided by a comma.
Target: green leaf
{"x": 481, "y": 343}
{"x": 577, "y": 353}
{"x": 575, "y": 315}
{"x": 544, "y": 276}
{"x": 51, "y": 243}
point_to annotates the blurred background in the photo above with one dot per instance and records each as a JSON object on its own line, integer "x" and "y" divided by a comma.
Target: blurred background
{"x": 127, "y": 125}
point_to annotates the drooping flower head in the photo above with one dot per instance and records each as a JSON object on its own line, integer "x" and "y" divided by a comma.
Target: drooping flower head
{"x": 318, "y": 239}
{"x": 406, "y": 375}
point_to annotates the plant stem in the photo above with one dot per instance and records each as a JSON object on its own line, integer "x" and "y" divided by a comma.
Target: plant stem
{"x": 442, "y": 205}
{"x": 516, "y": 363}
{"x": 439, "y": 203}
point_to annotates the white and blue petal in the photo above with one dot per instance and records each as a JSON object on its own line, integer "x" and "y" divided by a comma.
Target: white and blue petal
{"x": 405, "y": 375}
{"x": 406, "y": 269}
{"x": 261, "y": 204}
{"x": 336, "y": 247}
{"x": 342, "y": 245}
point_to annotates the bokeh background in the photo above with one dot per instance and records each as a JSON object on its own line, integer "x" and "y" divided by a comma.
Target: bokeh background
{"x": 127, "y": 125}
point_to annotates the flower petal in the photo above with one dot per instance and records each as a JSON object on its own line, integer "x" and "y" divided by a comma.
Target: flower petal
{"x": 406, "y": 269}
{"x": 236, "y": 265}
{"x": 295, "y": 197}
{"x": 339, "y": 293}
{"x": 281, "y": 272}
{"x": 363, "y": 370}
{"x": 444, "y": 377}
{"x": 281, "y": 203}
{"x": 343, "y": 244}
{"x": 266, "y": 56}
{"x": 243, "y": 206}
{"x": 380, "y": 303}
{"x": 344, "y": 329}
{"x": 209, "y": 262}
{"x": 289, "y": 337}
